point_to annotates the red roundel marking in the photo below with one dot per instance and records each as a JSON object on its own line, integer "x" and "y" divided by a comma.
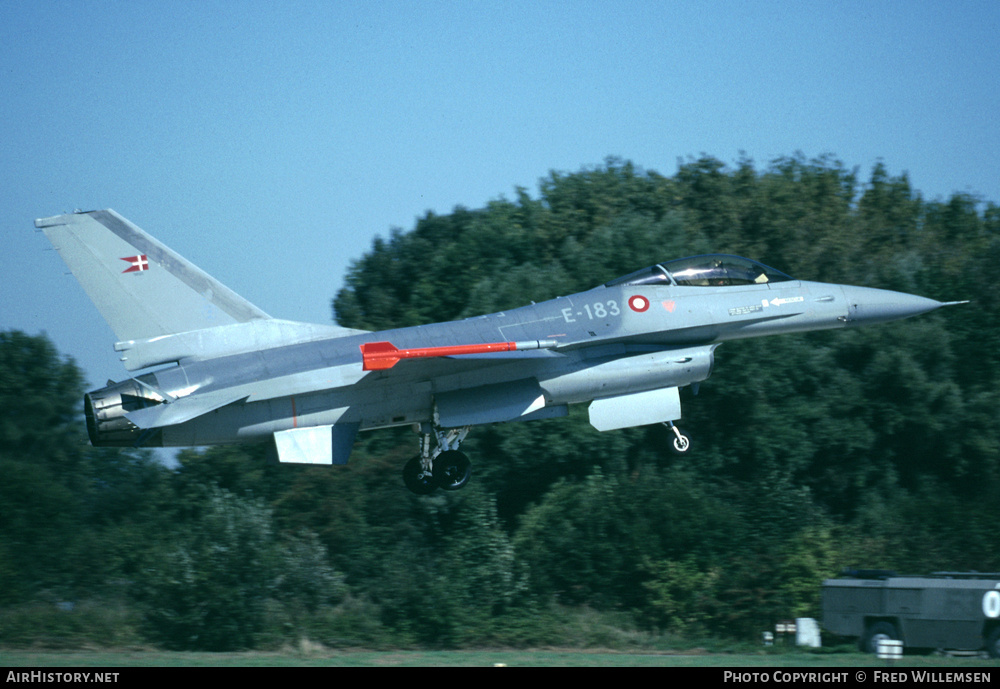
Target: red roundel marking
{"x": 638, "y": 303}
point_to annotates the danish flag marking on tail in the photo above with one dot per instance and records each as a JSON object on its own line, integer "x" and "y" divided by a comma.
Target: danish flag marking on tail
{"x": 139, "y": 263}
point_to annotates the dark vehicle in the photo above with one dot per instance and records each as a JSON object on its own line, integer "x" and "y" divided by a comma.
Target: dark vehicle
{"x": 947, "y": 610}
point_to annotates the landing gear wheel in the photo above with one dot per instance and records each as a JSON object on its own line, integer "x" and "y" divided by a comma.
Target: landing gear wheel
{"x": 681, "y": 442}
{"x": 878, "y": 631}
{"x": 452, "y": 470}
{"x": 417, "y": 479}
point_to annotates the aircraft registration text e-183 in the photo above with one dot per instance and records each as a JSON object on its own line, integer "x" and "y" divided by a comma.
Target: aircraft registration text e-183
{"x": 236, "y": 374}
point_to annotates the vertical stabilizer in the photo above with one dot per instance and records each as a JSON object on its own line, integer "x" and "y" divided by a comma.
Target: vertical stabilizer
{"x": 142, "y": 288}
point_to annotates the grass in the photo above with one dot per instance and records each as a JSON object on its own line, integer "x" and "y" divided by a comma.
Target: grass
{"x": 319, "y": 657}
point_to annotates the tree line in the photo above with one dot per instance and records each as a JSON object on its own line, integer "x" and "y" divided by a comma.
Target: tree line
{"x": 873, "y": 448}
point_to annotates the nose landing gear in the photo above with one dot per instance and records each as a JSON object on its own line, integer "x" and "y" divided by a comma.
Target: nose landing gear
{"x": 681, "y": 443}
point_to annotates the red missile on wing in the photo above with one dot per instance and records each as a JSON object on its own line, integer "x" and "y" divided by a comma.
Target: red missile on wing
{"x": 378, "y": 356}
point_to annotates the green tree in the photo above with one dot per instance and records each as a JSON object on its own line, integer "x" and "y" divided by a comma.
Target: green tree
{"x": 207, "y": 584}
{"x": 875, "y": 447}
{"x": 48, "y": 474}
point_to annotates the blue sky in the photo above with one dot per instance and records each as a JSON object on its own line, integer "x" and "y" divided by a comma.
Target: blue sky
{"x": 270, "y": 142}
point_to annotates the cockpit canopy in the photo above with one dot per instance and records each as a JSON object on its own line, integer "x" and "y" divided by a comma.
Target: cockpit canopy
{"x": 704, "y": 271}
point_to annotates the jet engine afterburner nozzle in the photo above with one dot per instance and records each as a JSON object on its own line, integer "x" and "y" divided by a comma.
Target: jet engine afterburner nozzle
{"x": 105, "y": 411}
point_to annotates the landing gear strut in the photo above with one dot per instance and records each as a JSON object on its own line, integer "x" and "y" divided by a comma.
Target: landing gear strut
{"x": 443, "y": 467}
{"x": 681, "y": 443}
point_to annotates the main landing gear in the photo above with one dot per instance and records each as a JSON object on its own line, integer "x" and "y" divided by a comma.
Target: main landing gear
{"x": 444, "y": 467}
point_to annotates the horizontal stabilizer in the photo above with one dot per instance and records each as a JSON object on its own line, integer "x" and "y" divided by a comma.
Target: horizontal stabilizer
{"x": 183, "y": 409}
{"x": 378, "y": 356}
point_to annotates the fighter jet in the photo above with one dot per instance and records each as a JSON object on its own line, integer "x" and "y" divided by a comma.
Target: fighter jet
{"x": 208, "y": 367}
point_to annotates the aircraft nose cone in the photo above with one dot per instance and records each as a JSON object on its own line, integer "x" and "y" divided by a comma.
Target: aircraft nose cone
{"x": 868, "y": 305}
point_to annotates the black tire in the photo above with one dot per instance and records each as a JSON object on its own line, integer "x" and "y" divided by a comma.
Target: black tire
{"x": 875, "y": 632}
{"x": 418, "y": 481}
{"x": 993, "y": 643}
{"x": 452, "y": 470}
